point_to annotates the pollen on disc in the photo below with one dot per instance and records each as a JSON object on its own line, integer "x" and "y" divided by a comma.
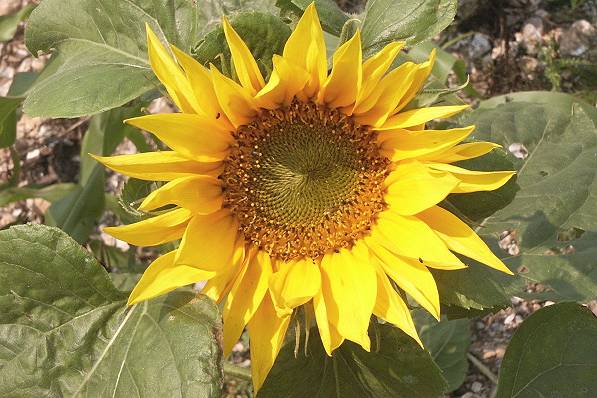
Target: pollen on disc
{"x": 304, "y": 180}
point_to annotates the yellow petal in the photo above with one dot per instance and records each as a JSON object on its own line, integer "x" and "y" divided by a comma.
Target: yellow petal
{"x": 474, "y": 181}
{"x": 236, "y": 101}
{"x": 246, "y": 68}
{"x": 410, "y": 275}
{"x": 245, "y": 297}
{"x": 153, "y": 231}
{"x": 170, "y": 74}
{"x": 294, "y": 284}
{"x": 344, "y": 83}
{"x": 408, "y": 236}
{"x": 158, "y": 166}
{"x": 306, "y": 48}
{"x": 285, "y": 82}
{"x": 200, "y": 194}
{"x": 352, "y": 285}
{"x": 266, "y": 335}
{"x": 162, "y": 276}
{"x": 460, "y": 238}
{"x": 219, "y": 286}
{"x": 415, "y": 117}
{"x": 405, "y": 144}
{"x": 330, "y": 337}
{"x": 418, "y": 80}
{"x": 413, "y": 187}
{"x": 209, "y": 241}
{"x": 376, "y": 109}
{"x": 193, "y": 136}
{"x": 390, "y": 307}
{"x": 200, "y": 80}
{"x": 462, "y": 152}
{"x": 375, "y": 67}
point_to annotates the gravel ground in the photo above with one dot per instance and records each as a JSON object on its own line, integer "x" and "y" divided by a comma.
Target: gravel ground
{"x": 509, "y": 45}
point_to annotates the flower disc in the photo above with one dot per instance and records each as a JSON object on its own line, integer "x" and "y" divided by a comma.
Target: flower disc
{"x": 304, "y": 180}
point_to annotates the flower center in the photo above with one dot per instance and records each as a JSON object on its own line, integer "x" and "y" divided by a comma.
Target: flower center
{"x": 304, "y": 180}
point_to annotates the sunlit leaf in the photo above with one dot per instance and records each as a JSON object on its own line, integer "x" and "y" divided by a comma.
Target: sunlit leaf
{"x": 65, "y": 330}
{"x": 552, "y": 354}
{"x": 398, "y": 367}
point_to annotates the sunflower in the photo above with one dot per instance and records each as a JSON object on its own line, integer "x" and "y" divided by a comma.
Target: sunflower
{"x": 314, "y": 189}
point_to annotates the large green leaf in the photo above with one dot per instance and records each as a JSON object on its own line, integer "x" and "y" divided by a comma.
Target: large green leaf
{"x": 100, "y": 51}
{"x": 552, "y": 354}
{"x": 558, "y": 192}
{"x": 411, "y": 20}
{"x": 264, "y": 34}
{"x": 448, "y": 343}
{"x": 65, "y": 330}
{"x": 398, "y": 367}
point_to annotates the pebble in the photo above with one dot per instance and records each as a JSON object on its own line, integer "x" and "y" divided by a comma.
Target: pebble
{"x": 576, "y": 40}
{"x": 518, "y": 150}
{"x": 479, "y": 46}
{"x": 476, "y": 387}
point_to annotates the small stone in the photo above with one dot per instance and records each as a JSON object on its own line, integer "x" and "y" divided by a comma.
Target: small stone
{"x": 548, "y": 303}
{"x": 34, "y": 154}
{"x": 476, "y": 387}
{"x": 529, "y": 66}
{"x": 576, "y": 40}
{"x": 499, "y": 352}
{"x": 480, "y": 325}
{"x": 518, "y": 150}
{"x": 530, "y": 36}
{"x": 479, "y": 46}
{"x": 238, "y": 347}
{"x": 509, "y": 319}
{"x": 488, "y": 354}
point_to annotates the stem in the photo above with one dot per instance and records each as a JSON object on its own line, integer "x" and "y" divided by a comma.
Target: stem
{"x": 16, "y": 167}
{"x": 348, "y": 30}
{"x": 237, "y": 371}
{"x": 456, "y": 39}
{"x": 484, "y": 369}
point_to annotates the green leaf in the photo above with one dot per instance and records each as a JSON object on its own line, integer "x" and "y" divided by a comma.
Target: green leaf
{"x": 552, "y": 354}
{"x": 411, "y": 20}
{"x": 398, "y": 367}
{"x": 331, "y": 16}
{"x": 100, "y": 57}
{"x": 9, "y": 23}
{"x": 264, "y": 34}
{"x": 50, "y": 193}
{"x": 66, "y": 330}
{"x": 558, "y": 188}
{"x": 448, "y": 343}
{"x": 212, "y": 11}
{"x": 8, "y": 125}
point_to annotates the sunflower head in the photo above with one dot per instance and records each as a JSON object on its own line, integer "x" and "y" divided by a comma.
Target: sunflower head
{"x": 315, "y": 188}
